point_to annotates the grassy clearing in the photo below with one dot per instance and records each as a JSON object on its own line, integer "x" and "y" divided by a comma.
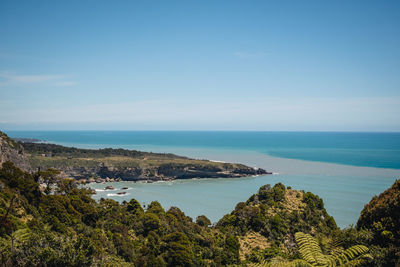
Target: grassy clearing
{"x": 63, "y": 162}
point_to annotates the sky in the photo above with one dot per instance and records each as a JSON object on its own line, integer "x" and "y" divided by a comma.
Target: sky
{"x": 200, "y": 65}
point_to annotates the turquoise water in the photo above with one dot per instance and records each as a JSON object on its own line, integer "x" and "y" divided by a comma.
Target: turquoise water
{"x": 345, "y": 169}
{"x": 381, "y": 150}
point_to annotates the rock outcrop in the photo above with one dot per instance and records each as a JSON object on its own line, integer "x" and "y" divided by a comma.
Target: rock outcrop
{"x": 154, "y": 173}
{"x": 12, "y": 151}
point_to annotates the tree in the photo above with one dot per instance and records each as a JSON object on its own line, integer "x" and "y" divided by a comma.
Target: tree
{"x": 134, "y": 207}
{"x": 179, "y": 251}
{"x": 151, "y": 222}
{"x": 49, "y": 177}
{"x": 203, "y": 220}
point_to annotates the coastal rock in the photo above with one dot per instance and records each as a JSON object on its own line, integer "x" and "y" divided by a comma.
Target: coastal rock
{"x": 260, "y": 171}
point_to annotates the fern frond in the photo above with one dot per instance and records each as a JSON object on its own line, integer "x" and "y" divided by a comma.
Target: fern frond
{"x": 312, "y": 255}
{"x": 358, "y": 261}
{"x": 311, "y": 252}
{"x": 22, "y": 235}
{"x": 309, "y": 248}
{"x": 282, "y": 263}
{"x": 356, "y": 250}
{"x": 335, "y": 244}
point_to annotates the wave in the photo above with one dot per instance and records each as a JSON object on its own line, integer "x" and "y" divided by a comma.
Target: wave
{"x": 117, "y": 195}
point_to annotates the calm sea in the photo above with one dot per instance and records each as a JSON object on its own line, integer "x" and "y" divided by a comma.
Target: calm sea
{"x": 345, "y": 169}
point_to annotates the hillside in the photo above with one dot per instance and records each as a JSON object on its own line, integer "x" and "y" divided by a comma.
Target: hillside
{"x": 381, "y": 219}
{"x": 269, "y": 220}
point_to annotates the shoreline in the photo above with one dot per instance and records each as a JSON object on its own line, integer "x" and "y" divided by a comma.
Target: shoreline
{"x": 86, "y": 185}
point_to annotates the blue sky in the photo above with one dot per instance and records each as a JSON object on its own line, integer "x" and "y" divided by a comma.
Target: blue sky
{"x": 200, "y": 65}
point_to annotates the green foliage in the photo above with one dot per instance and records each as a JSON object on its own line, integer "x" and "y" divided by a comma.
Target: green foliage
{"x": 312, "y": 255}
{"x": 313, "y": 201}
{"x": 151, "y": 222}
{"x": 382, "y": 215}
{"x": 20, "y": 181}
{"x": 231, "y": 253}
{"x": 178, "y": 250}
{"x": 273, "y": 195}
{"x": 49, "y": 177}
{"x": 279, "y": 262}
{"x": 57, "y": 150}
{"x": 134, "y": 207}
{"x": 203, "y": 221}
{"x": 155, "y": 208}
{"x": 381, "y": 218}
{"x": 269, "y": 214}
{"x": 68, "y": 228}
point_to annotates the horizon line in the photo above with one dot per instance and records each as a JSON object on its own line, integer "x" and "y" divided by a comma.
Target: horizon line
{"x": 183, "y": 130}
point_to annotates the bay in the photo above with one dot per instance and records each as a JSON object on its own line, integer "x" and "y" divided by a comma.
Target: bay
{"x": 345, "y": 169}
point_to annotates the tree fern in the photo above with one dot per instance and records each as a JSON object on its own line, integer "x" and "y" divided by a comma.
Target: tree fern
{"x": 311, "y": 252}
{"x": 312, "y": 255}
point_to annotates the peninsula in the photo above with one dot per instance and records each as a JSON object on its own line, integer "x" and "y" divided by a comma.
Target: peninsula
{"x": 90, "y": 165}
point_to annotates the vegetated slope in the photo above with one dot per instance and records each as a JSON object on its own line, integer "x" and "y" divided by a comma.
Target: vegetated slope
{"x": 128, "y": 164}
{"x": 381, "y": 218}
{"x": 272, "y": 217}
{"x": 68, "y": 228}
{"x": 383, "y": 212}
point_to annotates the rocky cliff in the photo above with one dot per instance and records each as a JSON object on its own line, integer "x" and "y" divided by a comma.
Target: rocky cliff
{"x": 12, "y": 151}
{"x": 155, "y": 173}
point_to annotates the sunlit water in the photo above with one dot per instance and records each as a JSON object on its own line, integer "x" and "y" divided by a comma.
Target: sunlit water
{"x": 345, "y": 189}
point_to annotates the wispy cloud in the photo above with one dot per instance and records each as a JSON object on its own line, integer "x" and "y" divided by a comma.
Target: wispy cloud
{"x": 347, "y": 114}
{"x": 11, "y": 79}
{"x": 248, "y": 55}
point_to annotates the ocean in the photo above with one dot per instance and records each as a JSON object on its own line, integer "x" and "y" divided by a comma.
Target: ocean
{"x": 345, "y": 169}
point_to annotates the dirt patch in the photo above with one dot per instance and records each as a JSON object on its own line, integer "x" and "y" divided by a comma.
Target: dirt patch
{"x": 252, "y": 241}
